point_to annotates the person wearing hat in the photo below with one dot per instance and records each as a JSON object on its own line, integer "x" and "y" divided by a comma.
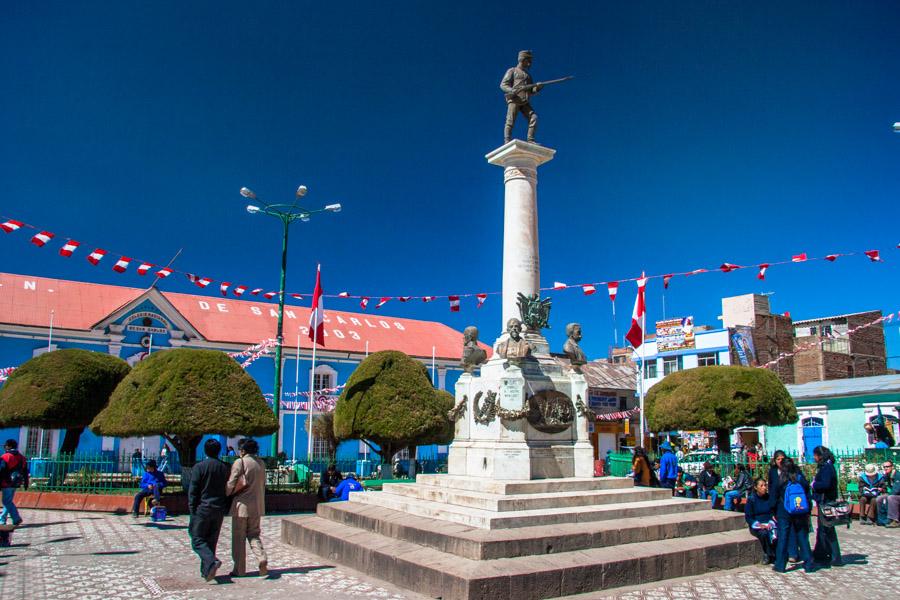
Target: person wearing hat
{"x": 668, "y": 466}
{"x": 152, "y": 484}
{"x": 343, "y": 489}
{"x": 871, "y": 485}
{"x": 518, "y": 87}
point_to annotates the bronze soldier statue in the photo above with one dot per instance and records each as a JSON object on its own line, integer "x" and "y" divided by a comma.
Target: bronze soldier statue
{"x": 519, "y": 87}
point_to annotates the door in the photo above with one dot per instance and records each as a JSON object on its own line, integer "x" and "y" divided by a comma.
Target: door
{"x": 812, "y": 436}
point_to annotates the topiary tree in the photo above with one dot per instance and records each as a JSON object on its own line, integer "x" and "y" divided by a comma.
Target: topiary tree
{"x": 389, "y": 400}
{"x": 184, "y": 394}
{"x": 64, "y": 389}
{"x": 719, "y": 399}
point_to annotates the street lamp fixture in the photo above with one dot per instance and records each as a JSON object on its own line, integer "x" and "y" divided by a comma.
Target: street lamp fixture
{"x": 897, "y": 127}
{"x": 287, "y": 214}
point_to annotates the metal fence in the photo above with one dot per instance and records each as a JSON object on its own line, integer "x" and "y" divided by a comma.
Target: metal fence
{"x": 109, "y": 473}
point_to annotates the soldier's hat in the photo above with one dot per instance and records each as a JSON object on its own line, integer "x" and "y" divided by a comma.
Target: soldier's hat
{"x": 523, "y": 54}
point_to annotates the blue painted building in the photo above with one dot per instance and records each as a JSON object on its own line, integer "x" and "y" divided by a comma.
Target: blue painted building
{"x": 39, "y": 315}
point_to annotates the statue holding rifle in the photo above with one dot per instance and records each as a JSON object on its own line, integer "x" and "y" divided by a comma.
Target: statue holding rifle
{"x": 518, "y": 87}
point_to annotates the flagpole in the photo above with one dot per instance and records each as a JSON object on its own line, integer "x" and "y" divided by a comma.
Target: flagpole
{"x": 296, "y": 399}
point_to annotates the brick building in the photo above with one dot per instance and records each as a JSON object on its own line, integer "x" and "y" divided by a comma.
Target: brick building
{"x": 771, "y": 334}
{"x": 840, "y": 356}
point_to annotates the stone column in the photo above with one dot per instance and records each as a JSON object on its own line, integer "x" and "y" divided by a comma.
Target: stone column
{"x": 521, "y": 261}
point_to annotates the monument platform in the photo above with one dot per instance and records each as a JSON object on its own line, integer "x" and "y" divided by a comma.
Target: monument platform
{"x": 462, "y": 538}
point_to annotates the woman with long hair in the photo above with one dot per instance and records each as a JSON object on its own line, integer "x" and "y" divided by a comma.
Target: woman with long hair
{"x": 825, "y": 489}
{"x": 760, "y": 519}
{"x": 640, "y": 467}
{"x": 793, "y": 523}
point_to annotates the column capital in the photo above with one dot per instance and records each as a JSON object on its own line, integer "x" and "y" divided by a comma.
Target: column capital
{"x": 517, "y": 153}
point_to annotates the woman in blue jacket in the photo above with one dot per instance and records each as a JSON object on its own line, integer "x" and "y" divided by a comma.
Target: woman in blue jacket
{"x": 825, "y": 489}
{"x": 760, "y": 519}
{"x": 793, "y": 527}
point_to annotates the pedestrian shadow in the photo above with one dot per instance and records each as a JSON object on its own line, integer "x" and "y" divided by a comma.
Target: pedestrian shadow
{"x": 162, "y": 526}
{"x": 277, "y": 573}
{"x": 114, "y": 552}
{"x": 47, "y": 524}
{"x": 855, "y": 559}
{"x": 63, "y": 539}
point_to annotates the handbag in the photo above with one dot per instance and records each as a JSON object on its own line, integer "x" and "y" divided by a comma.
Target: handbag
{"x": 241, "y": 484}
{"x": 835, "y": 513}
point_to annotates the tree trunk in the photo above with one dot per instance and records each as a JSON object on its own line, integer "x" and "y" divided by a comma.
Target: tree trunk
{"x": 723, "y": 440}
{"x": 187, "y": 455}
{"x": 70, "y": 440}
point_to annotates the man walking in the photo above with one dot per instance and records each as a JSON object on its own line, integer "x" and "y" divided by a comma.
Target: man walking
{"x": 247, "y": 487}
{"x": 13, "y": 475}
{"x": 208, "y": 503}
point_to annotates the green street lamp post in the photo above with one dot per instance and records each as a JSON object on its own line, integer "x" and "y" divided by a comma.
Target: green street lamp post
{"x": 287, "y": 213}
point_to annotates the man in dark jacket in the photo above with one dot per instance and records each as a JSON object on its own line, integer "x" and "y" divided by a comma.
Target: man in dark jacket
{"x": 13, "y": 474}
{"x": 208, "y": 504}
{"x": 707, "y": 482}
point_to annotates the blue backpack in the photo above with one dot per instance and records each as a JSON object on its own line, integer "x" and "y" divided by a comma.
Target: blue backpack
{"x": 795, "y": 500}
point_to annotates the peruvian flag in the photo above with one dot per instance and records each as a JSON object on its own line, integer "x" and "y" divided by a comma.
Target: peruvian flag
{"x": 344, "y": 295}
{"x": 666, "y": 280}
{"x": 223, "y": 287}
{"x": 480, "y": 298}
{"x": 635, "y": 334}
{"x": 121, "y": 264}
{"x": 364, "y": 302}
{"x": 762, "y": 270}
{"x": 144, "y": 267}
{"x": 698, "y": 271}
{"x": 613, "y": 288}
{"x": 831, "y": 257}
{"x": 317, "y": 311}
{"x": 428, "y": 298}
{"x": 588, "y": 289}
{"x": 164, "y": 272}
{"x": 11, "y": 225}
{"x": 68, "y": 248}
{"x": 96, "y": 256}
{"x": 384, "y": 300}
{"x": 454, "y": 303}
{"x": 239, "y": 290}
{"x": 404, "y": 298}
{"x": 728, "y": 267}
{"x": 256, "y": 291}
{"x": 559, "y": 285}
{"x": 296, "y": 296}
{"x": 270, "y": 295}
{"x": 873, "y": 255}
{"x": 799, "y": 257}
{"x": 41, "y": 238}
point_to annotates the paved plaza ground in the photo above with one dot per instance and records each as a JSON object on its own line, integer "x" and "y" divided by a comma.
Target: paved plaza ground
{"x": 61, "y": 555}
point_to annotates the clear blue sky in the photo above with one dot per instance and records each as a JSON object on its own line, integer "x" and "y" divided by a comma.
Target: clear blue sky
{"x": 694, "y": 133}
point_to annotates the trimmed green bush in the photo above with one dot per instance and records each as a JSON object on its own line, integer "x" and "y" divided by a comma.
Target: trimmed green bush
{"x": 389, "y": 400}
{"x": 719, "y": 399}
{"x": 64, "y": 389}
{"x": 184, "y": 394}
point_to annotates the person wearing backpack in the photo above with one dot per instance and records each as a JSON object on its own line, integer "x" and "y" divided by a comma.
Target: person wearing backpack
{"x": 13, "y": 475}
{"x": 792, "y": 510}
{"x": 825, "y": 489}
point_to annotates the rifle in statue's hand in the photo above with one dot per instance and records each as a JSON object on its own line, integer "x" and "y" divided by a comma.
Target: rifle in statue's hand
{"x": 539, "y": 84}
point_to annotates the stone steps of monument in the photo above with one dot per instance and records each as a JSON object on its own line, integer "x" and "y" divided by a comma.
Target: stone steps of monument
{"x": 450, "y": 577}
{"x": 487, "y": 519}
{"x": 534, "y": 486}
{"x": 519, "y": 502}
{"x": 481, "y": 544}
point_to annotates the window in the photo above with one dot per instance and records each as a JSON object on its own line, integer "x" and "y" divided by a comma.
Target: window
{"x": 603, "y": 401}
{"x": 321, "y": 448}
{"x": 324, "y": 378}
{"x": 671, "y": 364}
{"x": 708, "y": 359}
{"x": 37, "y": 442}
{"x": 650, "y": 369}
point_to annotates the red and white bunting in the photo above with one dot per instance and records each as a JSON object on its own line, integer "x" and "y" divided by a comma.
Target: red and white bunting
{"x": 613, "y": 288}
{"x": 39, "y": 239}
{"x": 239, "y": 290}
{"x": 202, "y": 282}
{"x": 256, "y": 291}
{"x": 480, "y": 298}
{"x": 164, "y": 272}
{"x": 223, "y": 287}
{"x": 697, "y": 272}
{"x": 404, "y": 298}
{"x": 68, "y": 248}
{"x": 454, "y": 303}
{"x": 559, "y": 285}
{"x": 831, "y": 257}
{"x": 728, "y": 267}
{"x": 122, "y": 264}
{"x": 96, "y": 256}
{"x": 364, "y": 302}
{"x": 270, "y": 295}
{"x": 11, "y": 225}
{"x": 762, "y": 271}
{"x": 296, "y": 296}
{"x": 384, "y": 300}
{"x": 799, "y": 257}
{"x": 666, "y": 279}
{"x": 344, "y": 295}
{"x": 144, "y": 267}
{"x": 588, "y": 289}
{"x": 428, "y": 298}
{"x": 873, "y": 255}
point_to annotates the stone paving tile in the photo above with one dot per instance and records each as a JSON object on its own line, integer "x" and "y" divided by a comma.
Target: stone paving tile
{"x": 67, "y": 556}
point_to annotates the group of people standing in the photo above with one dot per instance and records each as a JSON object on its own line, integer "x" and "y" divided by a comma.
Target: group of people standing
{"x": 215, "y": 490}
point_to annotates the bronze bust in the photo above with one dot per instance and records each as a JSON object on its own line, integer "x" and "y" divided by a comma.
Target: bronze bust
{"x": 572, "y": 349}
{"x": 472, "y": 354}
{"x": 515, "y": 347}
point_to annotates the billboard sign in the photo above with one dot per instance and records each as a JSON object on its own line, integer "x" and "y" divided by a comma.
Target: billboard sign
{"x": 742, "y": 341}
{"x": 675, "y": 334}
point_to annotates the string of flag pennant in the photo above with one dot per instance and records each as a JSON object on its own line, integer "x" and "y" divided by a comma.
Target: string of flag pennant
{"x": 122, "y": 264}
{"x": 5, "y": 372}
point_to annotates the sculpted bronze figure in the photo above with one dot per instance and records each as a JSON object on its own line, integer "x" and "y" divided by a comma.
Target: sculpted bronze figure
{"x": 515, "y": 347}
{"x": 472, "y": 354}
{"x": 518, "y": 88}
{"x": 571, "y": 347}
{"x": 534, "y": 311}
